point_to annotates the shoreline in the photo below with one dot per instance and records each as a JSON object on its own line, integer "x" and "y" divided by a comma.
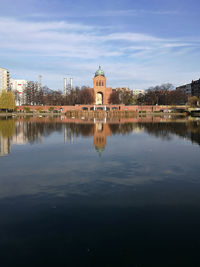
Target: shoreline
{"x": 92, "y": 114}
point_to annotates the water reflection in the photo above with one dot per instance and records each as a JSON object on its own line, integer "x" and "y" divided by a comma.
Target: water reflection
{"x": 62, "y": 205}
{"x": 32, "y": 130}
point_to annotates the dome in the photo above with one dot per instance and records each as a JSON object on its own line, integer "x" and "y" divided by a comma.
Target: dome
{"x": 99, "y": 72}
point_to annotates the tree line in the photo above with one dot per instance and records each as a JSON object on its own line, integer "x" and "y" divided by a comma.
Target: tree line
{"x": 163, "y": 94}
{"x": 33, "y": 94}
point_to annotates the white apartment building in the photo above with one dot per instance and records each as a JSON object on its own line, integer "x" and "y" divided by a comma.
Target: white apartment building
{"x": 4, "y": 80}
{"x": 122, "y": 89}
{"x": 18, "y": 86}
{"x": 137, "y": 92}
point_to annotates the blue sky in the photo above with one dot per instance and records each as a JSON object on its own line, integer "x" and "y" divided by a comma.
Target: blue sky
{"x": 138, "y": 43}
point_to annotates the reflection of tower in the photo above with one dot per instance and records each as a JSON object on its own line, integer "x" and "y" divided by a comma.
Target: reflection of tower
{"x": 101, "y": 131}
{"x": 72, "y": 137}
{"x": 68, "y": 134}
{"x": 4, "y": 145}
{"x": 65, "y": 134}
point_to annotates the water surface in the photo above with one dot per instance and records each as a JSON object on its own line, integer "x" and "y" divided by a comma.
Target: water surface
{"x": 89, "y": 192}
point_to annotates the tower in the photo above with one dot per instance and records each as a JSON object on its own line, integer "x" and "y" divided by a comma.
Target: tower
{"x": 71, "y": 85}
{"x": 101, "y": 92}
{"x": 65, "y": 86}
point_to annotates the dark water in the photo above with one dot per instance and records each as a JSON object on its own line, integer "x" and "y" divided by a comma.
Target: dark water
{"x": 96, "y": 193}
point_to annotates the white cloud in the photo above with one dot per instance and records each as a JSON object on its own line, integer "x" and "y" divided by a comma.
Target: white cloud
{"x": 74, "y": 40}
{"x": 137, "y": 57}
{"x": 105, "y": 13}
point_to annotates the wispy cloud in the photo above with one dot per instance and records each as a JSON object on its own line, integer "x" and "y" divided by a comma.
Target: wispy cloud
{"x": 105, "y": 13}
{"x": 121, "y": 52}
{"x": 75, "y": 40}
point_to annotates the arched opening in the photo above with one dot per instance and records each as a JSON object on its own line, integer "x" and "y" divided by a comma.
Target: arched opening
{"x": 99, "y": 98}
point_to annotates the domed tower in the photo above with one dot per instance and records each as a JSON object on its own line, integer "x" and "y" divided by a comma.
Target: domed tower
{"x": 101, "y": 93}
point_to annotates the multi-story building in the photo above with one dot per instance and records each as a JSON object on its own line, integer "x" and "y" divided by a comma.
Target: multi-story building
{"x": 4, "y": 80}
{"x": 137, "y": 92}
{"x": 187, "y": 88}
{"x": 122, "y": 89}
{"x": 18, "y": 87}
{"x": 195, "y": 88}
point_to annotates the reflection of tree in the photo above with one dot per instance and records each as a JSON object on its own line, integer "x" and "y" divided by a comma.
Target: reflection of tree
{"x": 189, "y": 130}
{"x": 7, "y": 127}
{"x": 124, "y": 128}
{"x": 81, "y": 129}
{"x": 33, "y": 131}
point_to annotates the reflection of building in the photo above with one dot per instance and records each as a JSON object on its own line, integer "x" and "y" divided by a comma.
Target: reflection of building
{"x": 101, "y": 92}
{"x": 18, "y": 86}
{"x": 4, "y": 80}
{"x": 101, "y": 131}
{"x": 19, "y": 139}
{"x": 20, "y": 135}
{"x": 4, "y": 145}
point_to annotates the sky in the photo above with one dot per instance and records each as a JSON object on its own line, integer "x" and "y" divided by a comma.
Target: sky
{"x": 139, "y": 44}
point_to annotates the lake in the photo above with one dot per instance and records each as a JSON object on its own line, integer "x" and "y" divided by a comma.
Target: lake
{"x": 99, "y": 192}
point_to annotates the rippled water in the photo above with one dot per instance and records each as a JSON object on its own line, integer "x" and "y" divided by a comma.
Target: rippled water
{"x": 78, "y": 192}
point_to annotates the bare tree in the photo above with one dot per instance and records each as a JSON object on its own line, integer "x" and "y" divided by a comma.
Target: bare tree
{"x": 114, "y": 98}
{"x": 86, "y": 96}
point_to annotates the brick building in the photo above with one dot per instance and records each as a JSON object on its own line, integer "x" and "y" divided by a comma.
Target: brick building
{"x": 101, "y": 92}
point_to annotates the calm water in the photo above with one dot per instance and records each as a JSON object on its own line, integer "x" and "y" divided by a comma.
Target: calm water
{"x": 96, "y": 193}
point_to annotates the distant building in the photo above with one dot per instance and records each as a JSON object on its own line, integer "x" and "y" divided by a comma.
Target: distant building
{"x": 4, "y": 80}
{"x": 195, "y": 88}
{"x": 123, "y": 89}
{"x": 137, "y": 92}
{"x": 187, "y": 88}
{"x": 191, "y": 89}
{"x": 18, "y": 87}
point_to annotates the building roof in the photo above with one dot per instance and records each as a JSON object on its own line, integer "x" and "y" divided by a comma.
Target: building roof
{"x": 99, "y": 72}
